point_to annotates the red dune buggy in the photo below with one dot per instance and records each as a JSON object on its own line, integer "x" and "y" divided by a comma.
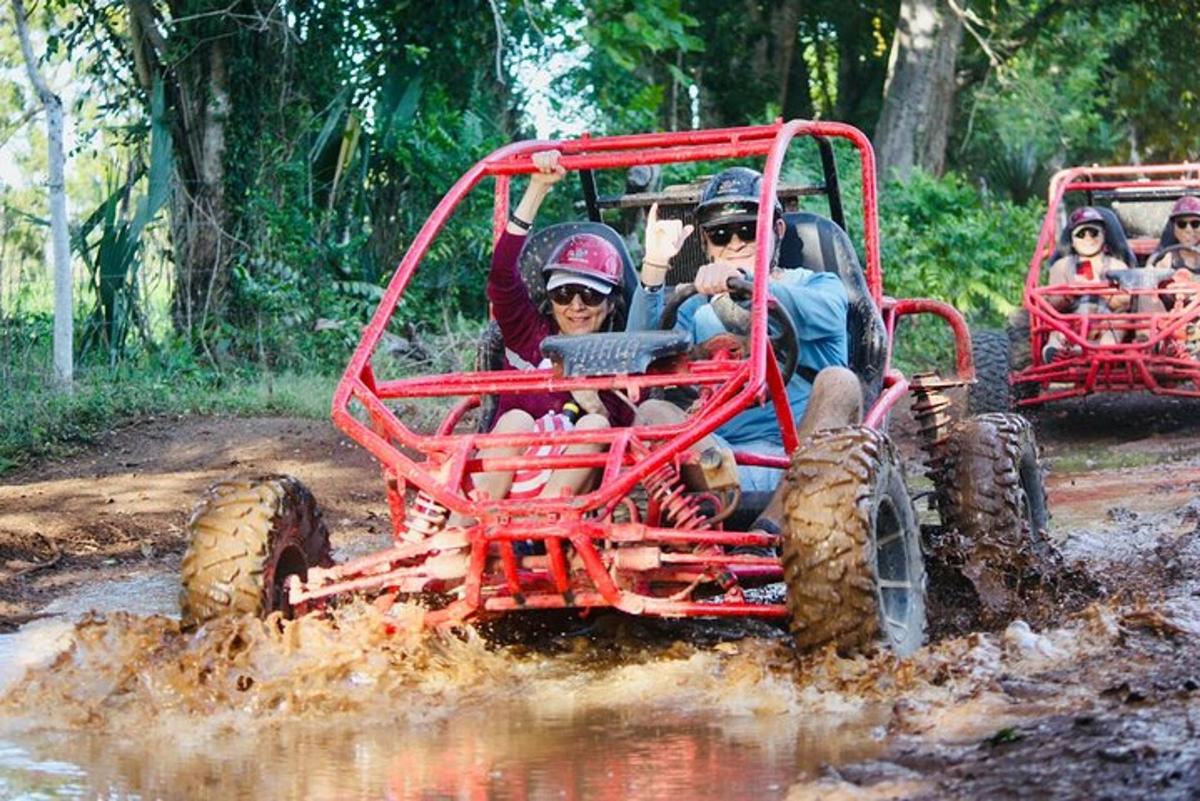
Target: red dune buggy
{"x": 1157, "y": 347}
{"x": 663, "y": 531}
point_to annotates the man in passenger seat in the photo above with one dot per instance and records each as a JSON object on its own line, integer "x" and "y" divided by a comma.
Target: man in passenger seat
{"x": 823, "y": 393}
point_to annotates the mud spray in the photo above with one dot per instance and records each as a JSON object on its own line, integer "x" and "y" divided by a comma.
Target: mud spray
{"x": 359, "y": 705}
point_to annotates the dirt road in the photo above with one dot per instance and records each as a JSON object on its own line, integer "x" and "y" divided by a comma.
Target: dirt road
{"x": 1102, "y": 703}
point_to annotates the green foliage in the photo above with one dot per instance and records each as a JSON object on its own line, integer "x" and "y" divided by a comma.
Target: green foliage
{"x": 1048, "y": 105}
{"x": 37, "y": 421}
{"x": 946, "y": 240}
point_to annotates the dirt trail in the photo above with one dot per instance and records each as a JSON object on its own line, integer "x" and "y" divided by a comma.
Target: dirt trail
{"x": 121, "y": 505}
{"x": 1103, "y": 703}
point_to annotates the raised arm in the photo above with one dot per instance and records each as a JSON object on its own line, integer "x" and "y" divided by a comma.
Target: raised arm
{"x": 522, "y": 326}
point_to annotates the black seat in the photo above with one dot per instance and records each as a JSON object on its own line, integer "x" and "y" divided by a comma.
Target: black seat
{"x": 620, "y": 354}
{"x": 818, "y": 244}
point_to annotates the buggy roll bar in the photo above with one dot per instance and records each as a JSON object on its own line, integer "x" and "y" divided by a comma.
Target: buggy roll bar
{"x": 738, "y": 384}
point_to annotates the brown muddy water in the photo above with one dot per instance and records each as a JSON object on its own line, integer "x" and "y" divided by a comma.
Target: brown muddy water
{"x": 1100, "y": 702}
{"x": 123, "y": 705}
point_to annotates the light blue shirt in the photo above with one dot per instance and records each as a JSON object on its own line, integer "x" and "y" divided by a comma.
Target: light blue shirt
{"x": 818, "y": 305}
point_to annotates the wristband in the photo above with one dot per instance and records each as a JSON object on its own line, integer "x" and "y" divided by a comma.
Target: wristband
{"x": 517, "y": 221}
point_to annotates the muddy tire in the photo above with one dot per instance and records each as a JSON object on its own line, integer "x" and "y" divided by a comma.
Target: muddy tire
{"x": 991, "y": 391}
{"x": 1020, "y": 351}
{"x": 992, "y": 500}
{"x": 851, "y": 547}
{"x": 245, "y": 538}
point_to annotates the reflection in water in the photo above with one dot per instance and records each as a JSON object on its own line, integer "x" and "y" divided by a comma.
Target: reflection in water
{"x": 498, "y": 753}
{"x": 124, "y": 706}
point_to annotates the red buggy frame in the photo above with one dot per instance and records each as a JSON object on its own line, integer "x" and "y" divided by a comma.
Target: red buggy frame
{"x": 621, "y": 557}
{"x": 1147, "y": 358}
{"x": 661, "y": 533}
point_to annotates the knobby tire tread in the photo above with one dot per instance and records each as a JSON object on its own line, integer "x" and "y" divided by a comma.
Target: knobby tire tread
{"x": 979, "y": 492}
{"x": 828, "y": 550}
{"x": 239, "y": 530}
{"x": 991, "y": 391}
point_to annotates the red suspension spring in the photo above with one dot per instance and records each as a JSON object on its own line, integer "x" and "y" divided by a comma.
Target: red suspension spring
{"x": 423, "y": 518}
{"x": 666, "y": 488}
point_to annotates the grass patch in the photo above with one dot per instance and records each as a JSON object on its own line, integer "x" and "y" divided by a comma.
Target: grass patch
{"x": 1082, "y": 458}
{"x": 37, "y": 420}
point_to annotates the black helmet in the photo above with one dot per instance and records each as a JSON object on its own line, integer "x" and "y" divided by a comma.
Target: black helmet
{"x": 732, "y": 196}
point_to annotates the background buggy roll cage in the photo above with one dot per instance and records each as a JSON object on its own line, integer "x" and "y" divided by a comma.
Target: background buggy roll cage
{"x": 1125, "y": 365}
{"x": 449, "y": 457}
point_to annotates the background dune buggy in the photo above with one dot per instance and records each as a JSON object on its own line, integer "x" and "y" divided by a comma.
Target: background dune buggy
{"x": 642, "y": 541}
{"x": 1161, "y": 353}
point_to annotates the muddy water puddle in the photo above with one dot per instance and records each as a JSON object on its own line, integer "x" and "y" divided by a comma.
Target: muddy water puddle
{"x": 120, "y": 705}
{"x": 501, "y": 752}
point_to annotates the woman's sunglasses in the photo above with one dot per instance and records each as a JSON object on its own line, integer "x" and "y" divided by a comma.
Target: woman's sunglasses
{"x": 1189, "y": 223}
{"x": 720, "y": 235}
{"x": 563, "y": 295}
{"x": 1080, "y": 233}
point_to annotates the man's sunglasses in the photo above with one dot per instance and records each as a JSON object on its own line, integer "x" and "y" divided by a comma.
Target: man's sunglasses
{"x": 1190, "y": 223}
{"x": 1080, "y": 233}
{"x": 563, "y": 295}
{"x": 720, "y": 235}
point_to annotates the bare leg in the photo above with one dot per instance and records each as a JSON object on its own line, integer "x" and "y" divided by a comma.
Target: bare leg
{"x": 497, "y": 484}
{"x": 576, "y": 478}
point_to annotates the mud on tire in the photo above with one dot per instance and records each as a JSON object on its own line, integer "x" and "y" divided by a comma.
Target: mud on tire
{"x": 851, "y": 548}
{"x": 991, "y": 391}
{"x": 992, "y": 500}
{"x": 246, "y": 537}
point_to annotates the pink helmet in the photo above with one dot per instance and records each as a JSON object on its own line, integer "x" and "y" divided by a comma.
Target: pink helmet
{"x": 587, "y": 259}
{"x": 1083, "y": 216}
{"x": 1186, "y": 206}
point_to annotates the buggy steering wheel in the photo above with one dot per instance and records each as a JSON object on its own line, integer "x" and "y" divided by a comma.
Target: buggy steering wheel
{"x": 781, "y": 330}
{"x": 1176, "y": 248}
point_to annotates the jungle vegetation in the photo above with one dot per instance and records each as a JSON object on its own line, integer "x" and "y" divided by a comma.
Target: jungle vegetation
{"x": 244, "y": 175}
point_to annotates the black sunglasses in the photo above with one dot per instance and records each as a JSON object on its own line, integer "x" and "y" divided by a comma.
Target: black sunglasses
{"x": 720, "y": 235}
{"x": 563, "y": 295}
{"x": 1192, "y": 223}
{"x": 1080, "y": 233}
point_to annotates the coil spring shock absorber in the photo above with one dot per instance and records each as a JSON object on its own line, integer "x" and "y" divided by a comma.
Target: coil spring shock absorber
{"x": 423, "y": 518}
{"x": 931, "y": 410}
{"x": 665, "y": 487}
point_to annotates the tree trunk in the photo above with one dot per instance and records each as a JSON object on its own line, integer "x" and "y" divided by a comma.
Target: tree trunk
{"x": 199, "y": 214}
{"x": 198, "y": 103}
{"x": 918, "y": 97}
{"x": 64, "y": 366}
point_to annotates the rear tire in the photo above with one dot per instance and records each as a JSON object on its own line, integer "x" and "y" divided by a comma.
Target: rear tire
{"x": 246, "y": 537}
{"x": 991, "y": 391}
{"x": 1020, "y": 352}
{"x": 851, "y": 546}
{"x": 991, "y": 494}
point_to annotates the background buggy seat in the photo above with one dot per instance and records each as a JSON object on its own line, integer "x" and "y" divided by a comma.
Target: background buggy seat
{"x": 817, "y": 243}
{"x": 1114, "y": 239}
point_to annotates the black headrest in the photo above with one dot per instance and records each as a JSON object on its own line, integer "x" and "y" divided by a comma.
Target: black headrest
{"x": 1115, "y": 240}
{"x": 817, "y": 243}
{"x": 542, "y": 242}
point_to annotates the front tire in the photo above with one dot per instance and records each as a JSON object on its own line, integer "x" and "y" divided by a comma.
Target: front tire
{"x": 851, "y": 546}
{"x": 246, "y": 538}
